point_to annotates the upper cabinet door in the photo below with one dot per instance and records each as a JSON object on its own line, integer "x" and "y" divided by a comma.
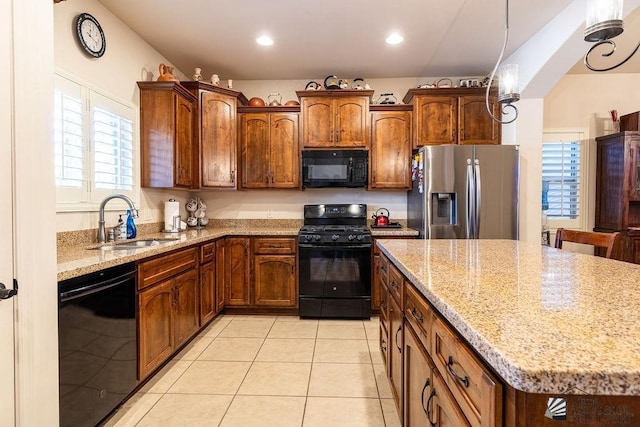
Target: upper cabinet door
{"x": 284, "y": 156}
{"x": 351, "y": 122}
{"x": 185, "y": 174}
{"x": 475, "y": 124}
{"x": 317, "y": 122}
{"x": 254, "y": 137}
{"x": 167, "y": 148}
{"x": 435, "y": 118}
{"x": 218, "y": 140}
{"x": 390, "y": 150}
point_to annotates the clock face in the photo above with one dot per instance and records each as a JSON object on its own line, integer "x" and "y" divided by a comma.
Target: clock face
{"x": 90, "y": 35}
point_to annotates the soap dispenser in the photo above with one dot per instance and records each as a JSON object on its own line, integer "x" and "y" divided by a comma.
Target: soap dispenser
{"x": 131, "y": 226}
{"x": 122, "y": 226}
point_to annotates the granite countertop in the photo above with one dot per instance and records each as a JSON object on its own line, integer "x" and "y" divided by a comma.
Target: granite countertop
{"x": 546, "y": 320}
{"x": 76, "y": 260}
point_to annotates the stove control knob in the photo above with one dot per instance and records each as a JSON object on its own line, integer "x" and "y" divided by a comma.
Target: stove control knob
{"x": 352, "y": 237}
{"x": 335, "y": 237}
{"x": 317, "y": 237}
{"x": 360, "y": 236}
{"x": 308, "y": 237}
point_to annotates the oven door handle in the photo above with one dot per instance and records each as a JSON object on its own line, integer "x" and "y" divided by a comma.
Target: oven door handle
{"x": 333, "y": 247}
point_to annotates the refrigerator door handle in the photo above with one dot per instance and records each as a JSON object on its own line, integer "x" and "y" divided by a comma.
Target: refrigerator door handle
{"x": 478, "y": 197}
{"x": 470, "y": 201}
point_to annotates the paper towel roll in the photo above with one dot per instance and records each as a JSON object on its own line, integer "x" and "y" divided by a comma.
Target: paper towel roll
{"x": 171, "y": 209}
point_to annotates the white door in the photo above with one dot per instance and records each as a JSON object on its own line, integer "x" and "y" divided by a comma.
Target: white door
{"x": 7, "y": 345}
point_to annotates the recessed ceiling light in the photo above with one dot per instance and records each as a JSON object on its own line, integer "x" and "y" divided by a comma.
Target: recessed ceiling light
{"x": 264, "y": 40}
{"x": 394, "y": 38}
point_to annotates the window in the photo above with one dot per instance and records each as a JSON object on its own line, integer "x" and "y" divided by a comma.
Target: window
{"x": 95, "y": 150}
{"x": 563, "y": 184}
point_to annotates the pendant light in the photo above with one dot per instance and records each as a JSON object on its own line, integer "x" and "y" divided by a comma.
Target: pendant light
{"x": 604, "y": 22}
{"x": 507, "y": 80}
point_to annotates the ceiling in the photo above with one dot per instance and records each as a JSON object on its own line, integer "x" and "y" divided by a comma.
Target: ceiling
{"x": 341, "y": 37}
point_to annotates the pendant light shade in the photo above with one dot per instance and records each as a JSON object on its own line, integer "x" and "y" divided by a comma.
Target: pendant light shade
{"x": 508, "y": 84}
{"x": 604, "y": 20}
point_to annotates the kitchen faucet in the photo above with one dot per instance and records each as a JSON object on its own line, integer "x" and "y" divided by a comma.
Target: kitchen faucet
{"x": 101, "y": 229}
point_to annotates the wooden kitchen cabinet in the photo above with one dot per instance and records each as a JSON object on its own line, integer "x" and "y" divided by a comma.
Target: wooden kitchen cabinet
{"x": 169, "y": 156}
{"x": 274, "y": 272}
{"x": 269, "y": 150}
{"x": 186, "y": 314}
{"x": 335, "y": 118}
{"x": 453, "y": 116}
{"x": 394, "y": 364}
{"x": 216, "y": 133}
{"x": 221, "y": 249}
{"x": 618, "y": 192}
{"x": 390, "y": 147}
{"x": 155, "y": 338}
{"x": 237, "y": 263}
{"x": 208, "y": 302}
{"x": 168, "y": 309}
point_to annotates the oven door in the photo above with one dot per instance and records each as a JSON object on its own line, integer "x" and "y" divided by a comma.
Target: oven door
{"x": 335, "y": 281}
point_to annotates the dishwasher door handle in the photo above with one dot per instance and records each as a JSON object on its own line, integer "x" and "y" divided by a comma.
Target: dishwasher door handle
{"x": 96, "y": 287}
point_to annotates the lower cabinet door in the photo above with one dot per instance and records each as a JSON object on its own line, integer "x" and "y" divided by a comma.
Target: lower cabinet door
{"x": 445, "y": 410}
{"x": 186, "y": 312}
{"x": 208, "y": 304}
{"x": 155, "y": 340}
{"x": 237, "y": 274}
{"x": 394, "y": 365}
{"x": 220, "y": 274}
{"x": 418, "y": 384}
{"x": 275, "y": 281}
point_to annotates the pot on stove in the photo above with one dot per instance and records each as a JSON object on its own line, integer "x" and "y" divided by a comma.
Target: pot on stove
{"x": 379, "y": 219}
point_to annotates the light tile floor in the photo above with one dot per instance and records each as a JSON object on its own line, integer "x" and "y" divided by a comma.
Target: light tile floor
{"x": 270, "y": 371}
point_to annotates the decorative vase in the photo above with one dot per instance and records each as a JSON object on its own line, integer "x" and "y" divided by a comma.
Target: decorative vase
{"x": 215, "y": 80}
{"x": 166, "y": 74}
{"x": 197, "y": 76}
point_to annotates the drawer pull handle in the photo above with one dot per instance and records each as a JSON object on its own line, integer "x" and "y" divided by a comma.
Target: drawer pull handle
{"x": 464, "y": 380}
{"x": 396, "y": 339}
{"x": 415, "y": 316}
{"x": 427, "y": 410}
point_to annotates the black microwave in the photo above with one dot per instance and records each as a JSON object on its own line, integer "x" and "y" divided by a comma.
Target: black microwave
{"x": 335, "y": 168}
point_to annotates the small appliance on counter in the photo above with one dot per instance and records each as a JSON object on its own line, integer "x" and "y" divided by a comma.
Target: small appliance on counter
{"x": 380, "y": 220}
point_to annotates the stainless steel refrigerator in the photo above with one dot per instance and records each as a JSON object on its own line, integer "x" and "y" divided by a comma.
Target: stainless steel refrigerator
{"x": 464, "y": 192}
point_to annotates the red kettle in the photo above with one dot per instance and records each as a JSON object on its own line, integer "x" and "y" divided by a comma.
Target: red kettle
{"x": 380, "y": 219}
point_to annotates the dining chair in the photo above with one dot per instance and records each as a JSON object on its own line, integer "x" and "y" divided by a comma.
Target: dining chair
{"x": 594, "y": 238}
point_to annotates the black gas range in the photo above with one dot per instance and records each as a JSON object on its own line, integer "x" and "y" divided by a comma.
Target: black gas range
{"x": 334, "y": 250}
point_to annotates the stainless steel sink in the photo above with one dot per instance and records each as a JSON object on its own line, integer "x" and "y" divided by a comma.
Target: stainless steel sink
{"x": 136, "y": 244}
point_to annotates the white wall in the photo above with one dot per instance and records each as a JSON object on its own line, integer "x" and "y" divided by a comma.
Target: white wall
{"x": 128, "y": 59}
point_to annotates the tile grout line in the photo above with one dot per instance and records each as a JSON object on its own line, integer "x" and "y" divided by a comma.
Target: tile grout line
{"x": 246, "y": 373}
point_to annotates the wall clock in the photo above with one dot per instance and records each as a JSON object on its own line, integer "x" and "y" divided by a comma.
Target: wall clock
{"x": 90, "y": 35}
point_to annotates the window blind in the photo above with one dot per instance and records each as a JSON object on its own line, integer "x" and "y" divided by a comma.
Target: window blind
{"x": 561, "y": 170}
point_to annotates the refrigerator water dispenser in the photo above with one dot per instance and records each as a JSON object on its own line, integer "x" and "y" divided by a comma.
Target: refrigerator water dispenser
{"x": 443, "y": 206}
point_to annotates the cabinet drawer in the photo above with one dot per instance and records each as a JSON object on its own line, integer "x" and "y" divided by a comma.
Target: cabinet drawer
{"x": 163, "y": 267}
{"x": 274, "y": 246}
{"x": 419, "y": 314}
{"x": 207, "y": 252}
{"x": 395, "y": 283}
{"x": 474, "y": 388}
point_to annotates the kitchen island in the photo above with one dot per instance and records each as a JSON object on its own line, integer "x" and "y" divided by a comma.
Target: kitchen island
{"x": 554, "y": 326}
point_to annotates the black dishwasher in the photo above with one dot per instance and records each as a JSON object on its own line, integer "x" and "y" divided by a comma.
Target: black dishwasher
{"x": 97, "y": 344}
